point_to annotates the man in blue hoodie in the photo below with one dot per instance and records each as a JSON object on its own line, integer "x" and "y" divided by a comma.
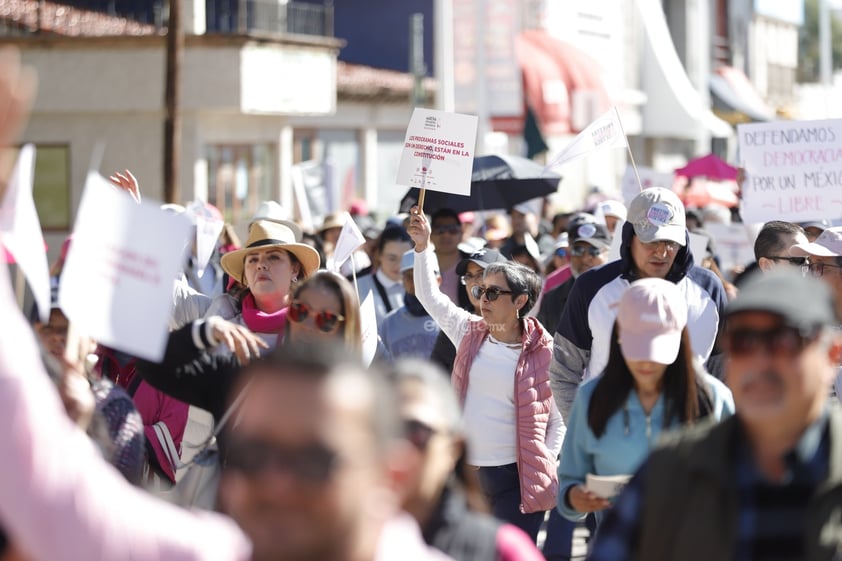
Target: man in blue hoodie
{"x": 654, "y": 244}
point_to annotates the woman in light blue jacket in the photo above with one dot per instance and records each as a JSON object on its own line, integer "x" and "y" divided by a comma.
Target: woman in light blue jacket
{"x": 651, "y": 383}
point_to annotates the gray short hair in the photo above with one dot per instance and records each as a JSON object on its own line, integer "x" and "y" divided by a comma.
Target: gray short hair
{"x": 521, "y": 280}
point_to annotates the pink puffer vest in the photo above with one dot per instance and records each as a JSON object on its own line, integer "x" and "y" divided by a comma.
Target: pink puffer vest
{"x": 533, "y": 401}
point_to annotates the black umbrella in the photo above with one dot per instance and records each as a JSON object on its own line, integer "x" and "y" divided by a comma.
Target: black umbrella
{"x": 497, "y": 182}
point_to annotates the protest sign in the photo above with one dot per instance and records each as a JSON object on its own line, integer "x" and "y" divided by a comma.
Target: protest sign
{"x": 734, "y": 245}
{"x": 605, "y": 132}
{"x": 118, "y": 278}
{"x": 349, "y": 240}
{"x": 648, "y": 178}
{"x": 438, "y": 151}
{"x": 208, "y": 230}
{"x": 20, "y": 230}
{"x": 793, "y": 170}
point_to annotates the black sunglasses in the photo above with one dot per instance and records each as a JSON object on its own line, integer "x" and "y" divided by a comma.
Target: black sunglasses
{"x": 782, "y": 341}
{"x": 579, "y": 251}
{"x": 251, "y": 457}
{"x": 794, "y": 261}
{"x": 325, "y": 321}
{"x": 491, "y": 292}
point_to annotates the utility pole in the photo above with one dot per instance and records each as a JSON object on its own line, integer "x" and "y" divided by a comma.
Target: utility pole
{"x": 172, "y": 104}
{"x": 417, "y": 67}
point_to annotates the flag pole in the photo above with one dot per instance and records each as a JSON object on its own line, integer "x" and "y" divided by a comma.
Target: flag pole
{"x": 20, "y": 286}
{"x": 628, "y": 147}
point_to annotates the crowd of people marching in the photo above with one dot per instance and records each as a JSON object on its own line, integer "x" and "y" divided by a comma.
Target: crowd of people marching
{"x": 524, "y": 378}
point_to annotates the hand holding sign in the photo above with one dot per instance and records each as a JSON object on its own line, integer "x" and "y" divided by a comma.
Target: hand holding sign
{"x": 438, "y": 152}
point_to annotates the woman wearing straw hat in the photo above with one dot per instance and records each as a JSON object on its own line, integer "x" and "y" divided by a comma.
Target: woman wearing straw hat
{"x": 268, "y": 267}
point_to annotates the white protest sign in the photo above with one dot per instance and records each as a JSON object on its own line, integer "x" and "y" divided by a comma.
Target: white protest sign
{"x": 208, "y": 229}
{"x": 606, "y": 486}
{"x": 117, "y": 282}
{"x": 438, "y": 152}
{"x": 605, "y": 132}
{"x": 793, "y": 170}
{"x": 349, "y": 240}
{"x": 368, "y": 328}
{"x": 648, "y": 178}
{"x": 21, "y": 230}
{"x": 698, "y": 247}
{"x": 734, "y": 245}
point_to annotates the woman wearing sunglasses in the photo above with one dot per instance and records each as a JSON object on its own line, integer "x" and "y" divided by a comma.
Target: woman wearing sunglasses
{"x": 268, "y": 267}
{"x": 650, "y": 384}
{"x": 443, "y": 493}
{"x": 323, "y": 307}
{"x": 501, "y": 377}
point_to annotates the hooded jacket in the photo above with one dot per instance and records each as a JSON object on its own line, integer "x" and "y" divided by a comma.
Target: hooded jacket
{"x": 583, "y": 336}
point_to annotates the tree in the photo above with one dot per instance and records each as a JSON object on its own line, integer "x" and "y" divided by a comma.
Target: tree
{"x": 808, "y": 43}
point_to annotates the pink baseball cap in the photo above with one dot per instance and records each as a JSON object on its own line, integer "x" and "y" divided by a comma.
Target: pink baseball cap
{"x": 651, "y": 315}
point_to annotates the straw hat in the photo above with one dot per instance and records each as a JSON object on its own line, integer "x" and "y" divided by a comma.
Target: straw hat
{"x": 266, "y": 234}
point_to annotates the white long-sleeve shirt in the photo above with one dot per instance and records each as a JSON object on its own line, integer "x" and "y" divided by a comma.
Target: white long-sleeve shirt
{"x": 489, "y": 414}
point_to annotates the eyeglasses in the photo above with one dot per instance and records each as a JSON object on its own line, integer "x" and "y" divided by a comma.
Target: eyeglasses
{"x": 326, "y": 321}
{"x": 817, "y": 269}
{"x": 782, "y": 341}
{"x": 450, "y": 229}
{"x": 794, "y": 261}
{"x": 491, "y": 292}
{"x": 469, "y": 277}
{"x": 251, "y": 457}
{"x": 669, "y": 246}
{"x": 579, "y": 251}
{"x": 417, "y": 433}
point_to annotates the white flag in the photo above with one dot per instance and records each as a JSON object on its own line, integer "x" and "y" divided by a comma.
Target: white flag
{"x": 368, "y": 329}
{"x": 20, "y": 230}
{"x": 605, "y": 132}
{"x": 208, "y": 229}
{"x": 349, "y": 240}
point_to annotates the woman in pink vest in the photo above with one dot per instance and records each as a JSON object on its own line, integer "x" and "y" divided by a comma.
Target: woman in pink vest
{"x": 501, "y": 377}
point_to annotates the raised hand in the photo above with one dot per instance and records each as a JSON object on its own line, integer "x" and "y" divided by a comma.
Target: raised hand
{"x": 418, "y": 229}
{"x": 239, "y": 340}
{"x": 128, "y": 183}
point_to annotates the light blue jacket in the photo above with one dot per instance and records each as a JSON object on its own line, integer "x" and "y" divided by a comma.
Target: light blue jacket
{"x": 624, "y": 444}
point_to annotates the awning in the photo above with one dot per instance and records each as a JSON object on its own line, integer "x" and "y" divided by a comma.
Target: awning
{"x": 735, "y": 99}
{"x": 553, "y": 72}
{"x": 674, "y": 108}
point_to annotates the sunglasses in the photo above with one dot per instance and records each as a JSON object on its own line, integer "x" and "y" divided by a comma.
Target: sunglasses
{"x": 669, "y": 246}
{"x": 794, "y": 261}
{"x": 561, "y": 252}
{"x": 452, "y": 229}
{"x": 590, "y": 250}
{"x": 417, "y": 433}
{"x": 252, "y": 457}
{"x": 325, "y": 321}
{"x": 784, "y": 341}
{"x": 491, "y": 292}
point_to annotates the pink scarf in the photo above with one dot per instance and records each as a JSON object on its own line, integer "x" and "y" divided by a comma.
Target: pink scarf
{"x": 261, "y": 322}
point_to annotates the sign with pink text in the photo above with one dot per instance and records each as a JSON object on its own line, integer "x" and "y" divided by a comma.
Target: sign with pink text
{"x": 438, "y": 152}
{"x": 117, "y": 282}
{"x": 793, "y": 170}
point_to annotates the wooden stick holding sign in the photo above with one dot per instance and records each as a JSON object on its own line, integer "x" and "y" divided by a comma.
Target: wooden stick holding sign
{"x": 438, "y": 153}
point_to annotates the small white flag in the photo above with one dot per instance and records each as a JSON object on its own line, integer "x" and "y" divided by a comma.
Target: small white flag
{"x": 605, "y": 132}
{"x": 349, "y": 240}
{"x": 368, "y": 329}
{"x": 20, "y": 230}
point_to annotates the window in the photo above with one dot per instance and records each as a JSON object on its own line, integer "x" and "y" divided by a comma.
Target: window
{"x": 51, "y": 186}
{"x": 240, "y": 177}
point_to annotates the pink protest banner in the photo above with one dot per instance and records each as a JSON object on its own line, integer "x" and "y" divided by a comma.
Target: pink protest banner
{"x": 438, "y": 151}
{"x": 793, "y": 170}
